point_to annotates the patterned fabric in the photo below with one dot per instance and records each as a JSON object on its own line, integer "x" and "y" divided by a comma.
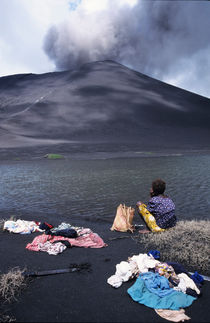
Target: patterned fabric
{"x": 149, "y": 219}
{"x": 86, "y": 240}
{"x": 163, "y": 269}
{"x": 163, "y": 210}
{"x": 52, "y": 248}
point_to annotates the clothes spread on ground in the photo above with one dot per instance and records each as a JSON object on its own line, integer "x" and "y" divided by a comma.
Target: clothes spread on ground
{"x": 163, "y": 210}
{"x": 173, "y": 315}
{"x": 86, "y": 238}
{"x": 22, "y": 227}
{"x": 175, "y": 300}
{"x": 157, "y": 285}
{"x": 127, "y": 270}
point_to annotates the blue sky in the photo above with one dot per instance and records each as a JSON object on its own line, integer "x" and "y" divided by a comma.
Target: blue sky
{"x": 168, "y": 40}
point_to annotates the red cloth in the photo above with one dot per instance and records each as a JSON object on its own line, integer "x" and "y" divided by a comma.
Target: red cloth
{"x": 90, "y": 240}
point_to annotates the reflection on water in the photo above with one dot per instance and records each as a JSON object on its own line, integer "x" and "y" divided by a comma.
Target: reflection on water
{"x": 94, "y": 188}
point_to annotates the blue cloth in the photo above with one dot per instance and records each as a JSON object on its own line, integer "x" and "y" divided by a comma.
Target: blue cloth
{"x": 174, "y": 301}
{"x": 154, "y": 253}
{"x": 163, "y": 210}
{"x": 157, "y": 284}
{"x": 198, "y": 279}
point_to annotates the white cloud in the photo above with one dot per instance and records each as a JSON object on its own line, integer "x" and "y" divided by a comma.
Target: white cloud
{"x": 23, "y": 25}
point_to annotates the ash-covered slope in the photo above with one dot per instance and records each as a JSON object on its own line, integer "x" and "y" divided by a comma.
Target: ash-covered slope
{"x": 101, "y": 102}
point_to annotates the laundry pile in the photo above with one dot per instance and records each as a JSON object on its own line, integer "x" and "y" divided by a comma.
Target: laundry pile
{"x": 55, "y": 240}
{"x": 164, "y": 286}
{"x": 22, "y": 227}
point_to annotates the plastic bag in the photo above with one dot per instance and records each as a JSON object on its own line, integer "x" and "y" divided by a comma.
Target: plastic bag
{"x": 123, "y": 219}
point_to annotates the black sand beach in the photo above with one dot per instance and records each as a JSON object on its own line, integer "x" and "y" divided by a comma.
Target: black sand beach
{"x": 82, "y": 297}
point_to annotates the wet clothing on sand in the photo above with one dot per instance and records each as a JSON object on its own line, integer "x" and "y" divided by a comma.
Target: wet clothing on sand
{"x": 22, "y": 227}
{"x": 141, "y": 294}
{"x": 87, "y": 239}
{"x": 153, "y": 286}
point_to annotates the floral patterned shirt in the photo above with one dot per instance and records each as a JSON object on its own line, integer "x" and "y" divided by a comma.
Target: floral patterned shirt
{"x": 163, "y": 210}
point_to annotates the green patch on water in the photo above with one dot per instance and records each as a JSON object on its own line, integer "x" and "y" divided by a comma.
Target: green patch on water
{"x": 54, "y": 156}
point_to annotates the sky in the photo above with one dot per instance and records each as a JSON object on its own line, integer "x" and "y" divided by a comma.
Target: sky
{"x": 167, "y": 40}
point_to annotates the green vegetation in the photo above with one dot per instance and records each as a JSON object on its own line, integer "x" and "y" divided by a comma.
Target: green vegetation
{"x": 54, "y": 156}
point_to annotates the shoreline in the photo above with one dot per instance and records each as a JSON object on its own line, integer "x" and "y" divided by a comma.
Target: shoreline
{"x": 39, "y": 153}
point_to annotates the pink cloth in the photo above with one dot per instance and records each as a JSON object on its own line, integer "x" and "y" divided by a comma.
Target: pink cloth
{"x": 90, "y": 240}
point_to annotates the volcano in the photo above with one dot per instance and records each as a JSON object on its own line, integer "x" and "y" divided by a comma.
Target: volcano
{"x": 101, "y": 102}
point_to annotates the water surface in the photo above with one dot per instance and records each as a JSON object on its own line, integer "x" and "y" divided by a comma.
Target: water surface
{"x": 92, "y": 189}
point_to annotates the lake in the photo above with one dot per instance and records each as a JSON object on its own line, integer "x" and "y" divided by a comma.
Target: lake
{"x": 93, "y": 188}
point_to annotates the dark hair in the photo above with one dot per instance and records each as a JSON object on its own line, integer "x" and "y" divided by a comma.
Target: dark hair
{"x": 158, "y": 186}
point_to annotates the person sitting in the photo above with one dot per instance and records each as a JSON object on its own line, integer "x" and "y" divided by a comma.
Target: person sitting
{"x": 159, "y": 213}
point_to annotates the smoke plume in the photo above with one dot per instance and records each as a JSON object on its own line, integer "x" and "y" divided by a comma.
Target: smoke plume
{"x": 168, "y": 40}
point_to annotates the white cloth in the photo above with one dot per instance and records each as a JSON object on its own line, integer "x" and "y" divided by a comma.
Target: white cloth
{"x": 123, "y": 273}
{"x": 144, "y": 262}
{"x": 115, "y": 281}
{"x": 186, "y": 282}
{"x": 21, "y": 226}
{"x": 126, "y": 270}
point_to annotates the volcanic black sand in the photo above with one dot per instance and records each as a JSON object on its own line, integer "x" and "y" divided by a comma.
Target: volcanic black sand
{"x": 101, "y": 102}
{"x": 82, "y": 297}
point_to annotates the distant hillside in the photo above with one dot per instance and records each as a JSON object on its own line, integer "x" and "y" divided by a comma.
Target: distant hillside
{"x": 101, "y": 102}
